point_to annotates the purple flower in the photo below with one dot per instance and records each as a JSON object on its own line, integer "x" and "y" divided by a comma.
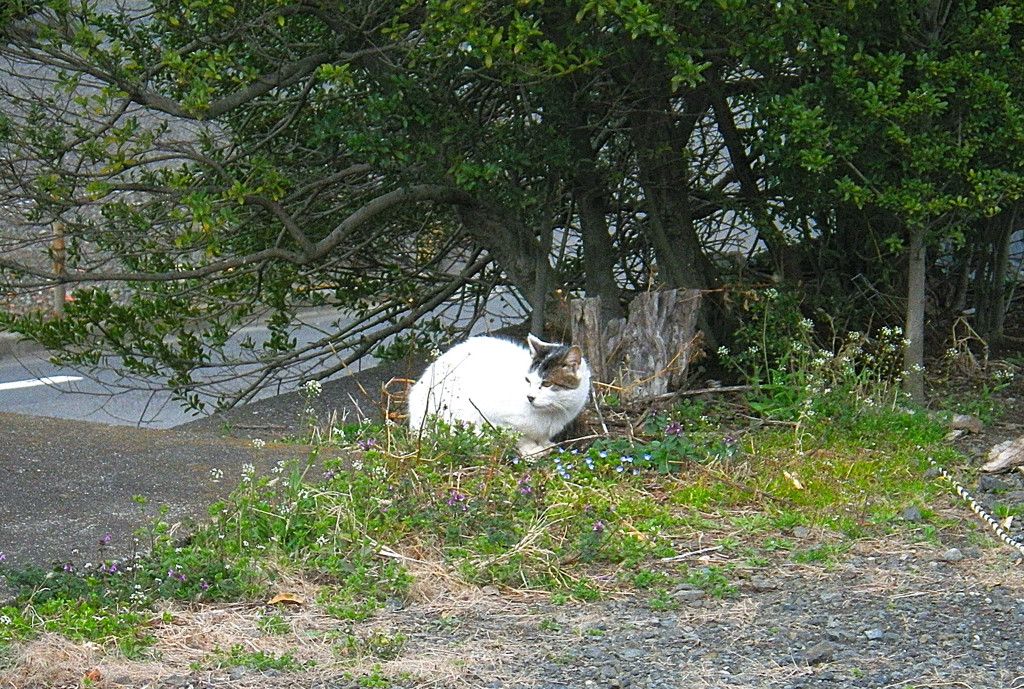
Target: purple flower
{"x": 524, "y": 485}
{"x": 674, "y": 428}
{"x": 3, "y": 556}
{"x": 105, "y": 541}
{"x": 457, "y": 498}
{"x": 598, "y": 526}
{"x": 366, "y": 444}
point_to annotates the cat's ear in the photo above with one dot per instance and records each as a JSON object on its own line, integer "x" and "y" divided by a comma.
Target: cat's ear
{"x": 538, "y": 347}
{"x": 573, "y": 358}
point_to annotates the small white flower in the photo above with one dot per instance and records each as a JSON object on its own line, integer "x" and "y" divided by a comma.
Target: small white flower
{"x": 313, "y": 388}
{"x": 216, "y": 474}
{"x": 259, "y": 443}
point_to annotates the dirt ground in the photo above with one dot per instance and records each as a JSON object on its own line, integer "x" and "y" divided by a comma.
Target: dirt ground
{"x": 888, "y": 613}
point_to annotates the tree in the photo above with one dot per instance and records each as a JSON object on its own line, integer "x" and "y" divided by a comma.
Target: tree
{"x": 212, "y": 162}
{"x": 912, "y": 115}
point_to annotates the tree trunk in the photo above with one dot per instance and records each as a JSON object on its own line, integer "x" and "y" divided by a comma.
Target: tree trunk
{"x": 646, "y": 354}
{"x": 589, "y": 192}
{"x": 990, "y": 288}
{"x": 508, "y": 241}
{"x": 661, "y": 137}
{"x": 542, "y": 283}
{"x": 913, "y": 354}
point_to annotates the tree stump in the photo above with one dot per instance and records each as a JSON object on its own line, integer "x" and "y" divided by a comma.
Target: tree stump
{"x": 646, "y": 354}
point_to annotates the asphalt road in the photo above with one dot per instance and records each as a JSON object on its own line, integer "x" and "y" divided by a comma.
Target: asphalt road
{"x": 30, "y": 384}
{"x": 69, "y": 484}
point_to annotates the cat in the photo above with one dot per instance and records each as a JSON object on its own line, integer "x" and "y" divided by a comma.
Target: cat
{"x": 535, "y": 390}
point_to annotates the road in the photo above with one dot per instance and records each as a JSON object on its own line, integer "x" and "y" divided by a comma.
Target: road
{"x": 29, "y": 384}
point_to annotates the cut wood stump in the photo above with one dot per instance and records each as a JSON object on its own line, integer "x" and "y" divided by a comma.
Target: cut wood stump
{"x": 1005, "y": 456}
{"x": 647, "y": 354}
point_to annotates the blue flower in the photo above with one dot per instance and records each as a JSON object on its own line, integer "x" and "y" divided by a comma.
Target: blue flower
{"x": 619, "y": 469}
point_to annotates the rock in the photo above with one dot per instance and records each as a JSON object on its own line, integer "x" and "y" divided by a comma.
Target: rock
{"x": 801, "y": 532}
{"x": 1005, "y": 456}
{"x": 686, "y": 595}
{"x": 819, "y": 653}
{"x": 911, "y": 514}
{"x": 952, "y": 555}
{"x": 991, "y": 484}
{"x": 966, "y": 422}
{"x": 763, "y": 583}
{"x": 874, "y": 634}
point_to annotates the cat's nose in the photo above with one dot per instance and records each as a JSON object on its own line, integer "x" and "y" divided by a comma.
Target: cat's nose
{"x": 531, "y": 398}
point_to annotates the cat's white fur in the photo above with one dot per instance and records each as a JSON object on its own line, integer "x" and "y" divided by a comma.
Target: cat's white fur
{"x": 488, "y": 380}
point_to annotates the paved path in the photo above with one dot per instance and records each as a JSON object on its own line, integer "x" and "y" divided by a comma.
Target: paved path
{"x": 68, "y": 484}
{"x": 65, "y": 485}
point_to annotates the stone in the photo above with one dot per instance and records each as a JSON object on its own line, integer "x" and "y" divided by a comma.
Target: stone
{"x": 688, "y": 595}
{"x": 874, "y": 634}
{"x": 992, "y": 484}
{"x": 966, "y": 422}
{"x": 911, "y": 514}
{"x": 1005, "y": 456}
{"x": 819, "y": 653}
{"x": 952, "y": 555}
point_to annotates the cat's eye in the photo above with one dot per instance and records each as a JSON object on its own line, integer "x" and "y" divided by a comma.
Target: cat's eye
{"x": 547, "y": 384}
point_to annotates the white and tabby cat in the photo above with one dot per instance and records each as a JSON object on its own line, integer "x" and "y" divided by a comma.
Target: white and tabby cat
{"x": 533, "y": 391}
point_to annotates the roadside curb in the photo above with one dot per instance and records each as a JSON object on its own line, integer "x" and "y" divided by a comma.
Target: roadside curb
{"x": 13, "y": 345}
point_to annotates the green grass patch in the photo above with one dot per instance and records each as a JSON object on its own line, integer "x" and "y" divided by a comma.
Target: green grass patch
{"x": 373, "y": 509}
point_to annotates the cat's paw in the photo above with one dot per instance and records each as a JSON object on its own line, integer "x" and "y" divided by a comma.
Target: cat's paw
{"x": 531, "y": 448}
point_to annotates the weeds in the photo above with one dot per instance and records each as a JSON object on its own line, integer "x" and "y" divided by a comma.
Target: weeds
{"x": 824, "y": 443}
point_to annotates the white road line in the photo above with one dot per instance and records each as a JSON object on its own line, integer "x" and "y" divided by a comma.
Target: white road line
{"x": 53, "y": 380}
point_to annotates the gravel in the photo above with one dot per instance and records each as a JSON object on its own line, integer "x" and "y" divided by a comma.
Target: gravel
{"x": 889, "y": 615}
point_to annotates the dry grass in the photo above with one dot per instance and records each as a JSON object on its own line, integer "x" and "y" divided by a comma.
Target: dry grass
{"x": 461, "y": 636}
{"x": 192, "y": 640}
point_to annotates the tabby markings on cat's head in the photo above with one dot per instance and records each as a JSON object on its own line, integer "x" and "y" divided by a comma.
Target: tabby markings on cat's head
{"x": 555, "y": 368}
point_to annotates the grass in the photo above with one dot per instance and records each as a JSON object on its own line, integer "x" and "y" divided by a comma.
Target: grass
{"x": 376, "y": 519}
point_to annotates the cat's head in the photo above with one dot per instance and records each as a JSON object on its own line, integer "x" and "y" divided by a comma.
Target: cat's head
{"x": 557, "y": 375}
